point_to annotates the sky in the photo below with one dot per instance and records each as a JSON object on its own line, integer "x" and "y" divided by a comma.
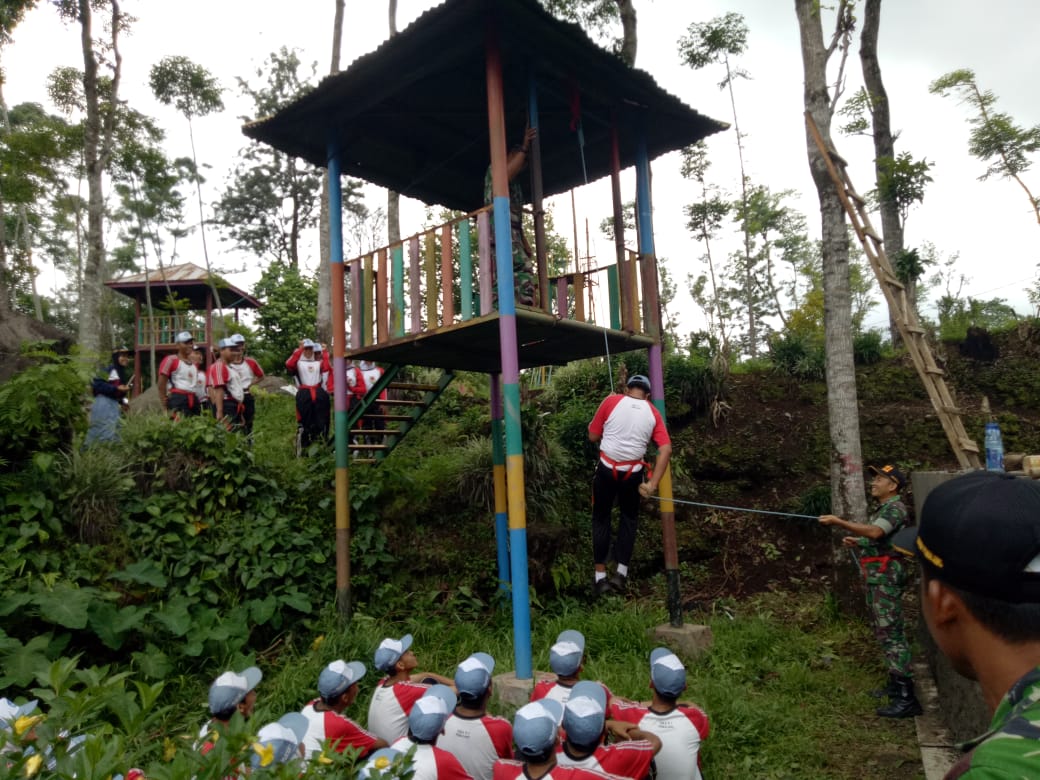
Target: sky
{"x": 989, "y": 224}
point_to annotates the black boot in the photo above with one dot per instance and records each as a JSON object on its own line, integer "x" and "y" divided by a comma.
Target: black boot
{"x": 891, "y": 688}
{"x": 904, "y": 704}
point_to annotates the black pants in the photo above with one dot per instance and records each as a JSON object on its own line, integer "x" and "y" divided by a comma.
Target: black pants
{"x": 182, "y": 404}
{"x": 233, "y": 412}
{"x": 248, "y": 412}
{"x": 606, "y": 490}
{"x": 312, "y": 411}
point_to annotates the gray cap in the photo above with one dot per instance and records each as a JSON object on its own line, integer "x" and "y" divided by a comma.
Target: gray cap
{"x": 667, "y": 672}
{"x": 426, "y": 720}
{"x": 183, "y": 337}
{"x": 565, "y": 656}
{"x": 232, "y": 687}
{"x": 536, "y": 726}
{"x": 473, "y": 676}
{"x": 390, "y": 651}
{"x": 585, "y": 714}
{"x": 283, "y": 737}
{"x": 338, "y": 676}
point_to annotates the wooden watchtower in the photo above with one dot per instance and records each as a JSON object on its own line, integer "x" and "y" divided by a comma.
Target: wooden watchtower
{"x": 425, "y": 114}
{"x": 182, "y": 299}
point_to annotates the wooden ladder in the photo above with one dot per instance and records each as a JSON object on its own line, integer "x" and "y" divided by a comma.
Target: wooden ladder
{"x": 914, "y": 336}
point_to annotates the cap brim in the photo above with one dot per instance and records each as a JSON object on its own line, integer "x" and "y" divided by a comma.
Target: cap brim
{"x": 297, "y": 723}
{"x": 904, "y": 541}
{"x": 253, "y": 677}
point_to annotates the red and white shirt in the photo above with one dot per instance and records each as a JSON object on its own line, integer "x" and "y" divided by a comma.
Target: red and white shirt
{"x": 221, "y": 375}
{"x": 514, "y": 770}
{"x": 182, "y": 374}
{"x": 388, "y": 712}
{"x": 625, "y": 426}
{"x": 561, "y": 692}
{"x": 248, "y": 372}
{"x": 356, "y": 381}
{"x": 338, "y": 730}
{"x": 681, "y": 732}
{"x": 477, "y": 742}
{"x": 630, "y": 759}
{"x": 309, "y": 373}
{"x": 430, "y": 762}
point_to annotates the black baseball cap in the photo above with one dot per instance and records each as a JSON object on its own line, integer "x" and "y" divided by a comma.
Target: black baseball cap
{"x": 980, "y": 532}
{"x": 890, "y": 471}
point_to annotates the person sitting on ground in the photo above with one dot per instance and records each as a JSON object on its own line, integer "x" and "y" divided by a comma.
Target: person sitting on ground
{"x": 682, "y": 728}
{"x": 280, "y": 742}
{"x": 177, "y": 379}
{"x": 425, "y": 724}
{"x": 474, "y": 737}
{"x": 585, "y": 724}
{"x": 978, "y": 543}
{"x": 326, "y": 723}
{"x": 232, "y": 692}
{"x": 110, "y": 400}
{"x": 399, "y": 690}
{"x": 567, "y": 660}
{"x": 536, "y": 734}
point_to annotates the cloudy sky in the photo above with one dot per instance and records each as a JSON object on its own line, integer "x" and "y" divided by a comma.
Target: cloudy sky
{"x": 989, "y": 223}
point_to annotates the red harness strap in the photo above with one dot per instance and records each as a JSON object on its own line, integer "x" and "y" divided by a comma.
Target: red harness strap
{"x": 313, "y": 390}
{"x": 882, "y": 559}
{"x": 631, "y": 463}
{"x": 192, "y": 398}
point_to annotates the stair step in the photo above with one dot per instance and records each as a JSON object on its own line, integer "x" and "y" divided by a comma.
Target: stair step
{"x": 401, "y": 402}
{"x": 375, "y": 432}
{"x": 413, "y": 386}
{"x": 934, "y": 371}
{"x": 390, "y": 417}
{"x": 368, "y": 447}
{"x": 871, "y": 233}
{"x": 855, "y": 197}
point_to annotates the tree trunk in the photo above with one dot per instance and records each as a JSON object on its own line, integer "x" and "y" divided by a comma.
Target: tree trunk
{"x": 848, "y": 498}
{"x": 884, "y": 143}
{"x": 323, "y": 324}
{"x": 627, "y": 12}
{"x": 97, "y": 149}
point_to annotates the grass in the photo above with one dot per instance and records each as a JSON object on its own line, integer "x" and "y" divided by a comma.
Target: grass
{"x": 784, "y": 684}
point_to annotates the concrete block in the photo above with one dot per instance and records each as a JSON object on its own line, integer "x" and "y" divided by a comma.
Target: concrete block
{"x": 688, "y": 640}
{"x": 512, "y": 691}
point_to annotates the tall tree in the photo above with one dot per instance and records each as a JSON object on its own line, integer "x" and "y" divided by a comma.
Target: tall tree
{"x": 393, "y": 198}
{"x": 599, "y": 18}
{"x": 995, "y": 137}
{"x": 714, "y": 42}
{"x": 98, "y": 135}
{"x": 848, "y": 498}
{"x": 323, "y": 324}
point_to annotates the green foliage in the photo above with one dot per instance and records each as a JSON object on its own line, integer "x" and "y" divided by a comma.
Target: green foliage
{"x": 866, "y": 348}
{"x": 41, "y": 409}
{"x": 287, "y": 316}
{"x": 957, "y": 315}
{"x": 188, "y": 87}
{"x": 715, "y": 41}
{"x": 902, "y": 181}
{"x": 797, "y": 356}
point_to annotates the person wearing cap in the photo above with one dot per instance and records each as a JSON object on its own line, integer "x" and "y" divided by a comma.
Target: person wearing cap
{"x": 885, "y": 576}
{"x": 109, "y": 399}
{"x": 585, "y": 725}
{"x": 280, "y": 742}
{"x": 476, "y": 738}
{"x": 198, "y": 357}
{"x": 397, "y": 693}
{"x": 682, "y": 728}
{"x": 536, "y": 735}
{"x": 225, "y": 390}
{"x": 177, "y": 379}
{"x": 247, "y": 373}
{"x": 326, "y": 723}
{"x": 356, "y": 385}
{"x": 232, "y": 692}
{"x": 624, "y": 425}
{"x": 371, "y": 373}
{"x": 311, "y": 372}
{"x": 567, "y": 660}
{"x": 425, "y": 724}
{"x": 382, "y": 760}
{"x": 978, "y": 545}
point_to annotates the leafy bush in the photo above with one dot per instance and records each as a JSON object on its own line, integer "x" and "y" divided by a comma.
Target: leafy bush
{"x": 797, "y": 356}
{"x": 866, "y": 348}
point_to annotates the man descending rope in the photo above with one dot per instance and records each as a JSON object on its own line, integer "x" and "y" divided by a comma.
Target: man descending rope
{"x": 624, "y": 425}
{"x": 177, "y": 378}
{"x": 312, "y": 372}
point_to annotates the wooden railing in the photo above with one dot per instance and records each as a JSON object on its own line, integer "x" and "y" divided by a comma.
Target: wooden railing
{"x": 444, "y": 276}
{"x": 161, "y": 331}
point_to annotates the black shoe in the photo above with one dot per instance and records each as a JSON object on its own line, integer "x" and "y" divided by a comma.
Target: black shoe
{"x": 601, "y": 587}
{"x": 891, "y": 688}
{"x": 618, "y": 582}
{"x": 904, "y": 704}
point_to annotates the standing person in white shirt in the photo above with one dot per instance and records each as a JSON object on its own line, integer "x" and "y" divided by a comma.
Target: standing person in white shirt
{"x": 177, "y": 378}
{"x": 310, "y": 368}
{"x": 623, "y": 427}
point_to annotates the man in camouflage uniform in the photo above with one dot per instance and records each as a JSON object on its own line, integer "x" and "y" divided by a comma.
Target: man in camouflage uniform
{"x": 978, "y": 544}
{"x": 885, "y": 576}
{"x": 524, "y": 278}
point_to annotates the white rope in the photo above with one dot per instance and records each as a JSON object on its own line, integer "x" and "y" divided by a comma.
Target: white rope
{"x": 610, "y": 371}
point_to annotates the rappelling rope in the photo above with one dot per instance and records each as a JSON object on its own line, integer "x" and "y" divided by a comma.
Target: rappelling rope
{"x": 736, "y": 508}
{"x": 610, "y": 371}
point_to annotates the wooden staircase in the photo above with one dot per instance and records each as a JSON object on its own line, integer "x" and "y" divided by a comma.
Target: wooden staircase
{"x": 395, "y": 416}
{"x": 914, "y": 336}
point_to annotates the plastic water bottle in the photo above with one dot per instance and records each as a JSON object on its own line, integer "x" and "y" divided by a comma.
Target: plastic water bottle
{"x": 994, "y": 448}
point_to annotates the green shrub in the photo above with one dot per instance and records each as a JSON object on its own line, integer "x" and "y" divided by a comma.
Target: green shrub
{"x": 797, "y": 356}
{"x": 866, "y": 348}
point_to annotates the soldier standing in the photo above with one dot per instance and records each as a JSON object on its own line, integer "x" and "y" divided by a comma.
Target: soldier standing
{"x": 885, "y": 575}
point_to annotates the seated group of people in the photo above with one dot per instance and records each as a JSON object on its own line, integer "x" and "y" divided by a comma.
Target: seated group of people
{"x": 572, "y": 728}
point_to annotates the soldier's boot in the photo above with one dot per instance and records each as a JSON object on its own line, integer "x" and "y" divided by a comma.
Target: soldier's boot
{"x": 891, "y": 688}
{"x": 904, "y": 704}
